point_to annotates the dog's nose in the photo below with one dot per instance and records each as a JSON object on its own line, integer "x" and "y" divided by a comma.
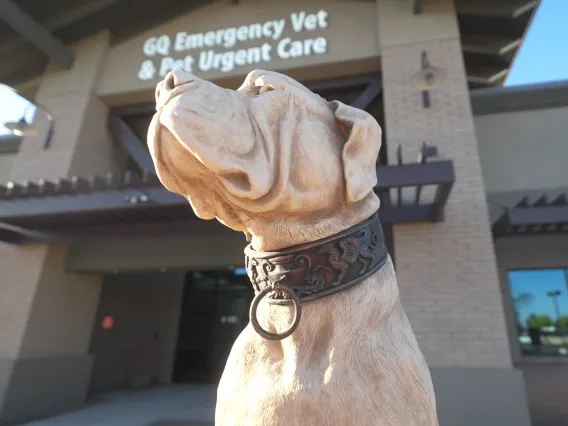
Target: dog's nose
{"x": 177, "y": 78}
{"x": 175, "y": 83}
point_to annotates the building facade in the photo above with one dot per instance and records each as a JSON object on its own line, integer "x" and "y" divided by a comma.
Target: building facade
{"x": 108, "y": 281}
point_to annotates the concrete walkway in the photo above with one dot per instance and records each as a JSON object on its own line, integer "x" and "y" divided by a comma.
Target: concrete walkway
{"x": 174, "y": 405}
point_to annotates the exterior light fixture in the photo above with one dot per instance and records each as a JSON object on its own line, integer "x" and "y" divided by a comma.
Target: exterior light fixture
{"x": 23, "y": 128}
{"x": 417, "y": 7}
{"x": 427, "y": 78}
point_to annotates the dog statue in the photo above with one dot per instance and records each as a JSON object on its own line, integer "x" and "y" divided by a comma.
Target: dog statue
{"x": 296, "y": 174}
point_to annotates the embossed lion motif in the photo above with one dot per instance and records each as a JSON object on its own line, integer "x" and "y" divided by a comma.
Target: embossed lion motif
{"x": 350, "y": 251}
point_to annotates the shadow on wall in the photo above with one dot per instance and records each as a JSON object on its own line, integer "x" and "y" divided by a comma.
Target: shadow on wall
{"x": 547, "y": 389}
{"x": 138, "y": 349}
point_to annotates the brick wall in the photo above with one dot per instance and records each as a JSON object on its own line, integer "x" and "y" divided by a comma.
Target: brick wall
{"x": 447, "y": 271}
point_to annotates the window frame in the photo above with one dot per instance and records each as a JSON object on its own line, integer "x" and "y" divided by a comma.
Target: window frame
{"x": 517, "y": 353}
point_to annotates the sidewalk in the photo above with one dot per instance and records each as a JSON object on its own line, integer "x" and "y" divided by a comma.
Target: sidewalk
{"x": 174, "y": 405}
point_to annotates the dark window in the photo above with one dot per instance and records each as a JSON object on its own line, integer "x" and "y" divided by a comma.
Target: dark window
{"x": 540, "y": 302}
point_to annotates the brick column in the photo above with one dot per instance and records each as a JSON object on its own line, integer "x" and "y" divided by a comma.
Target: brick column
{"x": 46, "y": 313}
{"x": 447, "y": 271}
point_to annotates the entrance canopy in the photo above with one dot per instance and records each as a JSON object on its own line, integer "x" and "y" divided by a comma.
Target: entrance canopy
{"x": 544, "y": 216}
{"x": 134, "y": 205}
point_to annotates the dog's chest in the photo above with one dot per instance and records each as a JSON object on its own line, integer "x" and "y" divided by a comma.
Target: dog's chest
{"x": 338, "y": 388}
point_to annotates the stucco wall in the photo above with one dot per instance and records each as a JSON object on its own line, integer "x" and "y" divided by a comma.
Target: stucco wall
{"x": 146, "y": 308}
{"x": 147, "y": 254}
{"x": 524, "y": 150}
{"x": 6, "y": 163}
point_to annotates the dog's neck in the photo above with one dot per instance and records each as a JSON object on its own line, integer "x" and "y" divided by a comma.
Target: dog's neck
{"x": 271, "y": 235}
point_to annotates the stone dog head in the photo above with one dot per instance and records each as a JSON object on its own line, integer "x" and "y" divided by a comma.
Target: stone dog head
{"x": 268, "y": 154}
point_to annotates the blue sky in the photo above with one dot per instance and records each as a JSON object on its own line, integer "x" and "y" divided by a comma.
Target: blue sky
{"x": 542, "y": 58}
{"x": 543, "y": 54}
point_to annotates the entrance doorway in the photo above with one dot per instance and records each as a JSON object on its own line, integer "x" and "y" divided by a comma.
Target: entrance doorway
{"x": 214, "y": 311}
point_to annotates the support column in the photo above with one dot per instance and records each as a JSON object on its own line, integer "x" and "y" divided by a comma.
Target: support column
{"x": 47, "y": 313}
{"x": 447, "y": 271}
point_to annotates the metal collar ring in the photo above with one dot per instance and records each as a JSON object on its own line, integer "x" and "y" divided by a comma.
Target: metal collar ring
{"x": 297, "y": 312}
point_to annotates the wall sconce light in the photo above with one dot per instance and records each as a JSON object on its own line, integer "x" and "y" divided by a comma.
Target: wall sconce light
{"x": 417, "y": 7}
{"x": 427, "y": 78}
{"x": 23, "y": 128}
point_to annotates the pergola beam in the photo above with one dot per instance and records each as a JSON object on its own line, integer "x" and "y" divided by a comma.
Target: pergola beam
{"x": 36, "y": 33}
{"x": 543, "y": 216}
{"x": 83, "y": 208}
{"x": 540, "y": 215}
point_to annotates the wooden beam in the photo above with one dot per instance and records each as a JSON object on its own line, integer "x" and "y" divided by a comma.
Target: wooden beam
{"x": 131, "y": 143}
{"x": 486, "y": 75}
{"x": 489, "y": 44}
{"x": 406, "y": 175}
{"x": 37, "y": 34}
{"x": 369, "y": 94}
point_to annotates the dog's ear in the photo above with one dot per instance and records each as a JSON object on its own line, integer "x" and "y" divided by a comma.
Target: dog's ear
{"x": 362, "y": 136}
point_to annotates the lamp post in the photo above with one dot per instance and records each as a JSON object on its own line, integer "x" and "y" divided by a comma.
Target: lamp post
{"x": 23, "y": 128}
{"x": 566, "y": 278}
{"x": 554, "y": 296}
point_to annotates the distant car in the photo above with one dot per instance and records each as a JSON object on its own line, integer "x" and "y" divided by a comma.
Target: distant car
{"x": 524, "y": 339}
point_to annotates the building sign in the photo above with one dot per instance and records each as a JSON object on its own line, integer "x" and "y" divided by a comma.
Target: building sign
{"x": 219, "y": 50}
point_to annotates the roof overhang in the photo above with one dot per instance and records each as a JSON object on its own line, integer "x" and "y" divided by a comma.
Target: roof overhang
{"x": 491, "y": 31}
{"x": 134, "y": 206}
{"x": 544, "y": 216}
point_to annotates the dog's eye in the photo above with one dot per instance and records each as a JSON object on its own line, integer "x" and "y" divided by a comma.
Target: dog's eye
{"x": 266, "y": 88}
{"x": 259, "y": 90}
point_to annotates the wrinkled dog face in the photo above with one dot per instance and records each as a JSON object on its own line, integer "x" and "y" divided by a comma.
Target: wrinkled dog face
{"x": 270, "y": 149}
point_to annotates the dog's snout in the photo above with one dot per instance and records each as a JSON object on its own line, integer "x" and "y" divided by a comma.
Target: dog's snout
{"x": 175, "y": 83}
{"x": 177, "y": 78}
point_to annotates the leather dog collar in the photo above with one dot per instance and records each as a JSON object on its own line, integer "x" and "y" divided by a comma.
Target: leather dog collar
{"x": 309, "y": 271}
